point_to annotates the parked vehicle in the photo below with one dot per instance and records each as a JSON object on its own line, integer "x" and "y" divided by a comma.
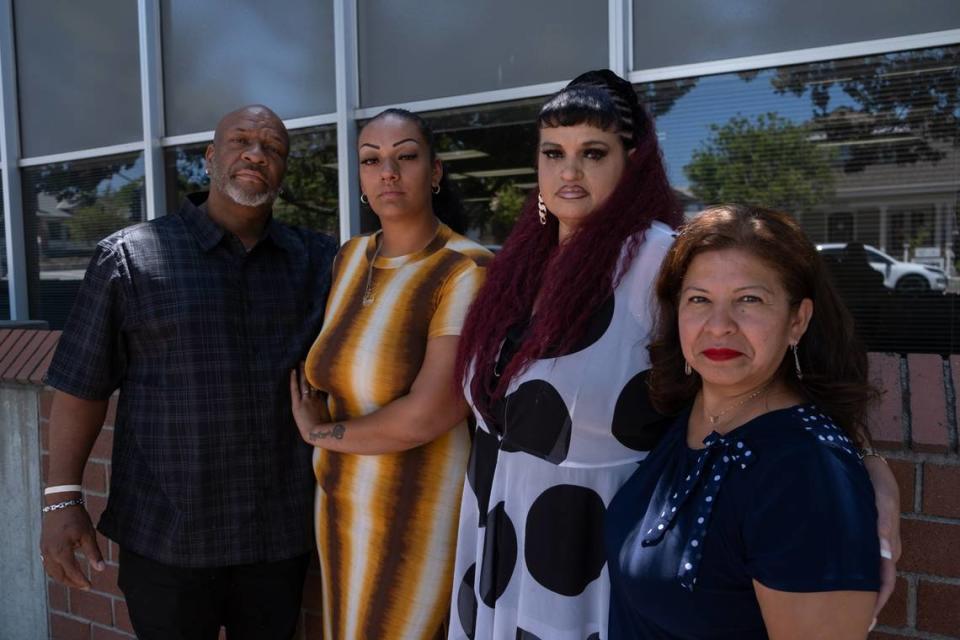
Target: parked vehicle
{"x": 902, "y": 276}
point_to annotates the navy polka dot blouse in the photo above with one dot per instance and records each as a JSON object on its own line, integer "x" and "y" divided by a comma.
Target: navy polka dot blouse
{"x": 783, "y": 499}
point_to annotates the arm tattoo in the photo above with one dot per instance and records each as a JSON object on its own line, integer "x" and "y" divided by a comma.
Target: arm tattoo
{"x": 336, "y": 431}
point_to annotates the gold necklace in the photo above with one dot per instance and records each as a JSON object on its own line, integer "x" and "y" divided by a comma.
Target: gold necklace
{"x": 715, "y": 418}
{"x": 368, "y": 290}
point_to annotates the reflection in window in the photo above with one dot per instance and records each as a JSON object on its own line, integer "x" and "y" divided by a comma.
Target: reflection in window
{"x": 78, "y": 74}
{"x": 489, "y": 152}
{"x": 69, "y": 207}
{"x": 309, "y": 195}
{"x": 489, "y": 155}
{"x": 864, "y": 152}
{"x": 219, "y": 55}
{"x": 469, "y": 47}
{"x": 738, "y": 28}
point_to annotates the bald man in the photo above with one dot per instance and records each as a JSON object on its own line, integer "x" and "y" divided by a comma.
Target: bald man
{"x": 197, "y": 318}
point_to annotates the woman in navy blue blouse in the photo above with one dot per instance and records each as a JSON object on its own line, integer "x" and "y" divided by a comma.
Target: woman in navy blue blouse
{"x": 754, "y": 517}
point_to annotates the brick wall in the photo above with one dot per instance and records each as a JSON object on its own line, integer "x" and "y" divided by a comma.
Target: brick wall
{"x": 915, "y": 426}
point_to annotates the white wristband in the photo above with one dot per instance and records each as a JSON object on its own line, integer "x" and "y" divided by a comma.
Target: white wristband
{"x": 62, "y": 488}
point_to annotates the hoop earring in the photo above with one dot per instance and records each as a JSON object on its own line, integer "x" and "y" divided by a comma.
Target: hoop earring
{"x": 435, "y": 188}
{"x": 687, "y": 369}
{"x": 541, "y": 209}
{"x": 363, "y": 198}
{"x": 796, "y": 362}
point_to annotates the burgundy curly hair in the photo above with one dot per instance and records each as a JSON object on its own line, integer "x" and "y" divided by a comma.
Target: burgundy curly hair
{"x": 572, "y": 280}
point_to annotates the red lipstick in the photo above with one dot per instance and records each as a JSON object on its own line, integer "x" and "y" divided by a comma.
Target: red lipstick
{"x": 721, "y": 354}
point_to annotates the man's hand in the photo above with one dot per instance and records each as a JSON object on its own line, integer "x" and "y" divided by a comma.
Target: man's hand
{"x": 309, "y": 406}
{"x": 64, "y": 532}
{"x": 74, "y": 426}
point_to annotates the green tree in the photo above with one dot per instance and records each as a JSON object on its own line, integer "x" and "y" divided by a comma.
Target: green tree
{"x": 111, "y": 210}
{"x": 767, "y": 161}
{"x": 901, "y": 107}
{"x": 505, "y": 206}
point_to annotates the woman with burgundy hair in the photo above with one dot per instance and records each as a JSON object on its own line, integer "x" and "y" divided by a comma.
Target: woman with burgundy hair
{"x": 554, "y": 362}
{"x": 554, "y": 357}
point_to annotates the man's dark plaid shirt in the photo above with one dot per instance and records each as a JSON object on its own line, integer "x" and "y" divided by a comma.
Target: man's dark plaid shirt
{"x": 199, "y": 336}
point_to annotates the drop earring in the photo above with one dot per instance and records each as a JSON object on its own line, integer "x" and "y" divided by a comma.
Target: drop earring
{"x": 796, "y": 361}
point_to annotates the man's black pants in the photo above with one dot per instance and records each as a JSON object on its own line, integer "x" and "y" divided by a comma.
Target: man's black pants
{"x": 256, "y": 601}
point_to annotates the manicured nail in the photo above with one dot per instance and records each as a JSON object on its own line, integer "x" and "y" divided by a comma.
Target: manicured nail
{"x": 872, "y": 625}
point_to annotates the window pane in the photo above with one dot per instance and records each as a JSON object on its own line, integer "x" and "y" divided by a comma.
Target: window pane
{"x": 68, "y": 208}
{"x": 78, "y": 74}
{"x": 488, "y": 154}
{"x": 711, "y": 30}
{"x": 309, "y": 196}
{"x": 864, "y": 152}
{"x": 4, "y": 277}
{"x": 219, "y": 55}
{"x": 467, "y": 47}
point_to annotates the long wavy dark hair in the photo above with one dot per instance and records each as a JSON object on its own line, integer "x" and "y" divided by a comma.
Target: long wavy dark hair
{"x": 571, "y": 280}
{"x": 447, "y": 205}
{"x": 832, "y": 358}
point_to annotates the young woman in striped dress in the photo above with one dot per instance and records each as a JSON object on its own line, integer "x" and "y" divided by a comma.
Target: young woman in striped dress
{"x": 378, "y": 398}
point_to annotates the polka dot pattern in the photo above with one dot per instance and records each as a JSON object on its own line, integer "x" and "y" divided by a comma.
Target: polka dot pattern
{"x": 556, "y": 448}
{"x": 538, "y": 422}
{"x": 713, "y": 463}
{"x": 467, "y": 603}
{"x": 636, "y": 424}
{"x": 480, "y": 468}
{"x": 826, "y": 432}
{"x": 499, "y": 555}
{"x": 565, "y": 562}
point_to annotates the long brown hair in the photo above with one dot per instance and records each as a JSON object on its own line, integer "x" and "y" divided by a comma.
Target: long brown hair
{"x": 832, "y": 358}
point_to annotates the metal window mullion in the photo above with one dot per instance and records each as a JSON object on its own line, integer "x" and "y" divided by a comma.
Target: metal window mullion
{"x": 798, "y": 56}
{"x": 151, "y": 101}
{"x": 82, "y": 154}
{"x": 12, "y": 186}
{"x": 346, "y": 65}
{"x": 618, "y": 13}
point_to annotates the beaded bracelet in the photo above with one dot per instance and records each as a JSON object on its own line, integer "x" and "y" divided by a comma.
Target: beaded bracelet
{"x": 73, "y": 502}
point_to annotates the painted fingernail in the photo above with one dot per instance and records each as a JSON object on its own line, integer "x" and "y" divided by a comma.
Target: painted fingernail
{"x": 872, "y": 625}
{"x": 885, "y": 551}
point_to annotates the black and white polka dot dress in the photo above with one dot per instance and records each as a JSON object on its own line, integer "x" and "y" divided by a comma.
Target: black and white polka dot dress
{"x": 530, "y": 557}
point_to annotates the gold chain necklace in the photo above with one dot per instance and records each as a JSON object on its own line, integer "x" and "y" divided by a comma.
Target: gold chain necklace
{"x": 715, "y": 418}
{"x": 368, "y": 290}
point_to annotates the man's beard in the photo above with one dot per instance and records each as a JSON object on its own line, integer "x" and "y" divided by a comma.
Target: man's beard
{"x": 222, "y": 181}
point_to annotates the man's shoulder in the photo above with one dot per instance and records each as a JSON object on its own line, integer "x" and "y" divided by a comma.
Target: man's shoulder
{"x": 168, "y": 227}
{"x": 316, "y": 243}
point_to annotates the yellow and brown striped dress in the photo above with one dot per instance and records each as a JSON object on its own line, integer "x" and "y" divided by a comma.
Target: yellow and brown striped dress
{"x": 386, "y": 524}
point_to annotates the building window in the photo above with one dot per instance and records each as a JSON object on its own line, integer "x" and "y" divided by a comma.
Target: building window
{"x": 420, "y": 49}
{"x": 309, "y": 195}
{"x": 68, "y": 208}
{"x": 864, "y": 152}
{"x": 489, "y": 154}
{"x": 220, "y": 55}
{"x": 78, "y": 74}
